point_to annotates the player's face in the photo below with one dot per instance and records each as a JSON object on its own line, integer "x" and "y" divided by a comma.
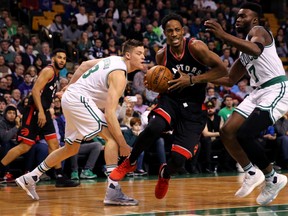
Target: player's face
{"x": 137, "y": 58}
{"x": 60, "y": 60}
{"x": 174, "y": 33}
{"x": 244, "y": 21}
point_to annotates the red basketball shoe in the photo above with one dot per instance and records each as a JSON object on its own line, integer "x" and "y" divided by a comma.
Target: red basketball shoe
{"x": 119, "y": 172}
{"x": 162, "y": 184}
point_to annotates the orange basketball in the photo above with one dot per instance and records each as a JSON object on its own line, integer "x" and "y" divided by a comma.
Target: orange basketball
{"x": 157, "y": 78}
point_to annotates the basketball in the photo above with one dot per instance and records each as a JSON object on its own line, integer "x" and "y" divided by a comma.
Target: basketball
{"x": 157, "y": 78}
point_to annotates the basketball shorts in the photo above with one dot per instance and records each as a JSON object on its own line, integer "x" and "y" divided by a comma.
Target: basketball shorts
{"x": 273, "y": 99}
{"x": 30, "y": 132}
{"x": 84, "y": 120}
{"x": 186, "y": 119}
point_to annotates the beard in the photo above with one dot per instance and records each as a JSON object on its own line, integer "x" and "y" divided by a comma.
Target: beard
{"x": 57, "y": 66}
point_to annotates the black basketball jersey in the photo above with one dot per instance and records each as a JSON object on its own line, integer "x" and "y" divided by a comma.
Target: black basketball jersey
{"x": 189, "y": 65}
{"x": 49, "y": 91}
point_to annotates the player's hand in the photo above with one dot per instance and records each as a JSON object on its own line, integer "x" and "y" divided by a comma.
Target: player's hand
{"x": 215, "y": 28}
{"x": 125, "y": 150}
{"x": 146, "y": 83}
{"x": 182, "y": 82}
{"x": 60, "y": 93}
{"x": 41, "y": 119}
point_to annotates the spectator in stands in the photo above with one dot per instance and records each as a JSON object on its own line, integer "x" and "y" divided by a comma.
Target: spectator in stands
{"x": 71, "y": 36}
{"x": 8, "y": 98}
{"x": 140, "y": 105}
{"x": 100, "y": 8}
{"x": 23, "y": 104}
{"x": 151, "y": 35}
{"x": 8, "y": 55}
{"x": 70, "y": 10}
{"x": 226, "y": 55}
{"x": 57, "y": 28}
{"x": 11, "y": 28}
{"x": 138, "y": 86}
{"x": 63, "y": 82}
{"x": 84, "y": 45}
{"x": 4, "y": 69}
{"x": 16, "y": 46}
{"x": 34, "y": 41}
{"x": 244, "y": 89}
{"x": 28, "y": 57}
{"x": 4, "y": 14}
{"x": 33, "y": 73}
{"x": 17, "y": 61}
{"x": 3, "y": 104}
{"x": 69, "y": 75}
{"x": 3, "y": 86}
{"x": 16, "y": 96}
{"x": 39, "y": 63}
{"x": 112, "y": 48}
{"x": 211, "y": 141}
{"x": 196, "y": 27}
{"x": 45, "y": 55}
{"x": 9, "y": 127}
{"x": 81, "y": 17}
{"x": 24, "y": 40}
{"x": 9, "y": 79}
{"x": 57, "y": 107}
{"x": 26, "y": 87}
{"x": 124, "y": 25}
{"x": 17, "y": 76}
{"x": 226, "y": 90}
{"x": 130, "y": 135}
{"x": 4, "y": 34}
{"x": 91, "y": 149}
{"x": 112, "y": 7}
{"x": 226, "y": 111}
{"x": 128, "y": 109}
{"x": 97, "y": 51}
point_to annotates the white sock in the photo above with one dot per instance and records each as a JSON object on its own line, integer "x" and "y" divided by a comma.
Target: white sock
{"x": 40, "y": 169}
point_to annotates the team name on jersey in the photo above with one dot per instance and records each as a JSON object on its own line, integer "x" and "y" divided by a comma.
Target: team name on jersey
{"x": 246, "y": 59}
{"x": 188, "y": 69}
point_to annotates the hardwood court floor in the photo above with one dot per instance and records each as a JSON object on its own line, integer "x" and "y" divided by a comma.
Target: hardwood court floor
{"x": 187, "y": 195}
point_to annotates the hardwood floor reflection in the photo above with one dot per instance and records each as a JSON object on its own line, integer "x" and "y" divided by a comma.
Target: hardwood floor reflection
{"x": 185, "y": 196}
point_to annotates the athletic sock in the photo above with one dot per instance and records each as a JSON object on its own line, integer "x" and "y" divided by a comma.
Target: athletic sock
{"x": 40, "y": 169}
{"x": 249, "y": 169}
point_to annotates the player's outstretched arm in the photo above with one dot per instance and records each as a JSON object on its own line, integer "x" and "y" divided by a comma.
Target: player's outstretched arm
{"x": 257, "y": 36}
{"x": 236, "y": 72}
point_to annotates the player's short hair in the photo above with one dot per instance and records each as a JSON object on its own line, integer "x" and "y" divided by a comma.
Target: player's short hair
{"x": 171, "y": 16}
{"x": 253, "y": 7}
{"x": 130, "y": 44}
{"x": 55, "y": 51}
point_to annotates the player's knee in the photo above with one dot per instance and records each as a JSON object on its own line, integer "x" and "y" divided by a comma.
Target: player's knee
{"x": 176, "y": 162}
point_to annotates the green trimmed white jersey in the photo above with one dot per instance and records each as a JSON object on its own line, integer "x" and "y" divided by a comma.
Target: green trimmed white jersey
{"x": 94, "y": 82}
{"x": 264, "y": 67}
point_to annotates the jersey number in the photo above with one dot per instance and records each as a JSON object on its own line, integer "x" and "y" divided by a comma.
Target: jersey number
{"x": 92, "y": 70}
{"x": 252, "y": 73}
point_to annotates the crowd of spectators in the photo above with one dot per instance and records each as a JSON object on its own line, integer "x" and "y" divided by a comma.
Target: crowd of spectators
{"x": 94, "y": 29}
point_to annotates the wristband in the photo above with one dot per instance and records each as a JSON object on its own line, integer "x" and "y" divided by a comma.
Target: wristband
{"x": 191, "y": 82}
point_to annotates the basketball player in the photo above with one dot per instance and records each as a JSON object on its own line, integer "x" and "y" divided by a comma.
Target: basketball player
{"x": 89, "y": 105}
{"x": 37, "y": 119}
{"x": 179, "y": 110}
{"x": 263, "y": 107}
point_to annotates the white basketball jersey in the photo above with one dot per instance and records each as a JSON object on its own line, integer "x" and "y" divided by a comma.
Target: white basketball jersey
{"x": 264, "y": 67}
{"x": 94, "y": 82}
